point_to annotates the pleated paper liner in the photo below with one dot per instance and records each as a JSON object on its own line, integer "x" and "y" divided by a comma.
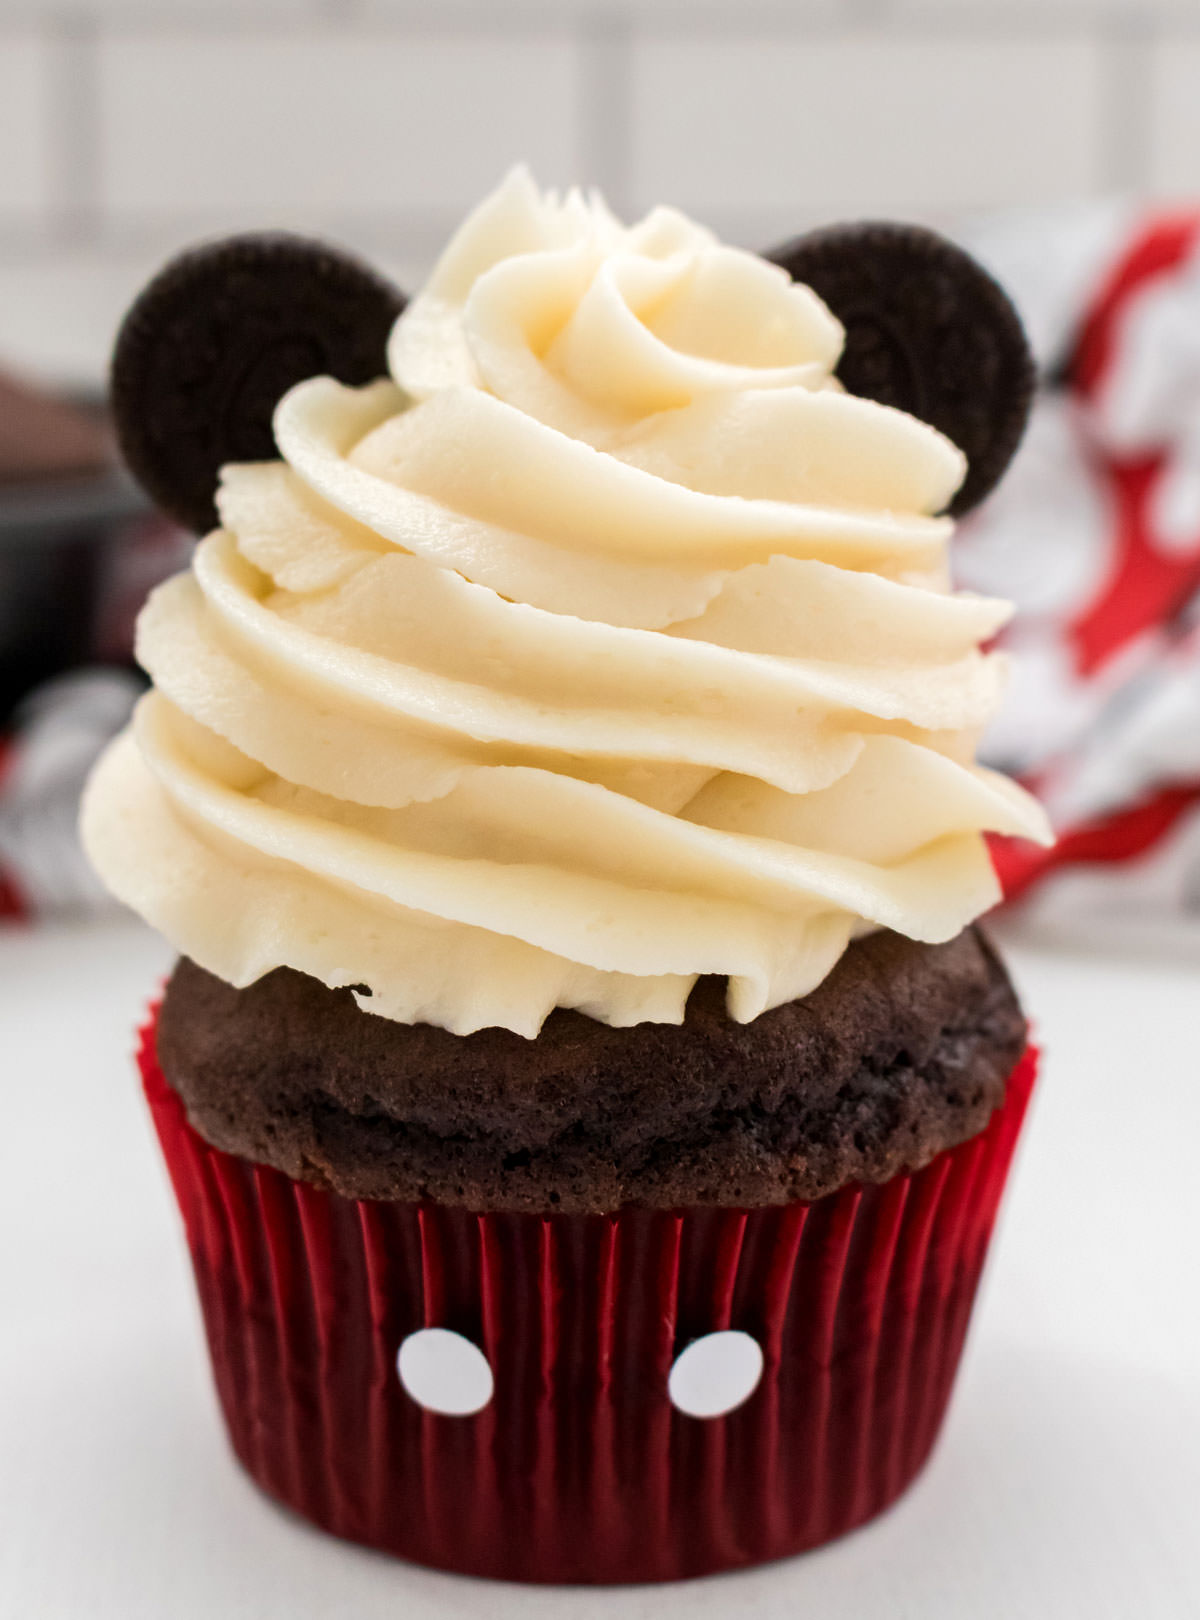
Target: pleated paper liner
{"x": 580, "y": 1468}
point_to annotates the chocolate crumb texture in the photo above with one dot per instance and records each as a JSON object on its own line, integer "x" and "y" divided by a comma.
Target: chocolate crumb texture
{"x": 903, "y": 1051}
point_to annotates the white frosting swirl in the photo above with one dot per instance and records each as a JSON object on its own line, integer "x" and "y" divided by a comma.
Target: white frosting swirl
{"x": 608, "y": 645}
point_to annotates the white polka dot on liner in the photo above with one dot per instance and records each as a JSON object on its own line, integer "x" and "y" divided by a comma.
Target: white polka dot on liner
{"x": 715, "y": 1374}
{"x": 444, "y": 1372}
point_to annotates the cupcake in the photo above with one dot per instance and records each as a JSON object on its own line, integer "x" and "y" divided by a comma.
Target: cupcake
{"x": 586, "y": 1090}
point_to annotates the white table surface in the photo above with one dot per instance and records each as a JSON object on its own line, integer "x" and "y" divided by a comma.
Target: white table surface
{"x": 1067, "y": 1483}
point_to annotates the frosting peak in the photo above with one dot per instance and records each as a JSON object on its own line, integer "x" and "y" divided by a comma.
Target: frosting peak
{"x": 605, "y": 645}
{"x": 558, "y": 310}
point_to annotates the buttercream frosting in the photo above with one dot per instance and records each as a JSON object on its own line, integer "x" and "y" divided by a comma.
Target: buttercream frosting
{"x": 604, "y": 644}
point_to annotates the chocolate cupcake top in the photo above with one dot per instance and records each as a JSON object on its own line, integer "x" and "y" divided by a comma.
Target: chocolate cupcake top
{"x": 902, "y": 1051}
{"x": 605, "y": 644}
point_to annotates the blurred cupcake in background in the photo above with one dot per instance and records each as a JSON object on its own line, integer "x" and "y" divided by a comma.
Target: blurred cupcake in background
{"x": 80, "y": 546}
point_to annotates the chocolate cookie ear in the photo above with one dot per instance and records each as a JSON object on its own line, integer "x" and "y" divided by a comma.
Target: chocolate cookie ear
{"x": 210, "y": 346}
{"x": 927, "y": 330}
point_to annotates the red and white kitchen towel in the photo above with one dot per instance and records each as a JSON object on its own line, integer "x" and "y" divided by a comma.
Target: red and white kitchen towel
{"x": 60, "y": 730}
{"x": 1095, "y": 534}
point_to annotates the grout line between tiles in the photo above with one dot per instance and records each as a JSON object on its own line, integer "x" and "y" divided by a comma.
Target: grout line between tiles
{"x": 74, "y": 136}
{"x": 605, "y": 44}
{"x": 1125, "y": 111}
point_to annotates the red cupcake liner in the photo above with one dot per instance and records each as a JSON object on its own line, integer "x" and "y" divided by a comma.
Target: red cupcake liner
{"x": 580, "y": 1469}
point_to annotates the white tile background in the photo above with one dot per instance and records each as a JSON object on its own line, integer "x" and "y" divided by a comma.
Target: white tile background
{"x": 129, "y": 127}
